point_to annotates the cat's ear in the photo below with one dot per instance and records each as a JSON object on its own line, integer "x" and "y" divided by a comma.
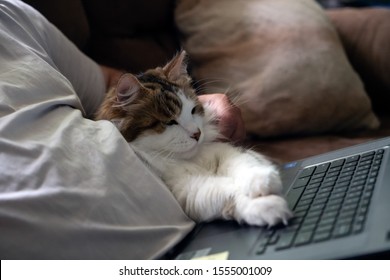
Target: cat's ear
{"x": 127, "y": 88}
{"x": 177, "y": 67}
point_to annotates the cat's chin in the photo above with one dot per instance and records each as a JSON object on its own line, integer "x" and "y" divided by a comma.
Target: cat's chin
{"x": 187, "y": 154}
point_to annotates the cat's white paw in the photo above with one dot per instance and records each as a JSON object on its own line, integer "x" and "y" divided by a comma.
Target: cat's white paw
{"x": 264, "y": 211}
{"x": 262, "y": 181}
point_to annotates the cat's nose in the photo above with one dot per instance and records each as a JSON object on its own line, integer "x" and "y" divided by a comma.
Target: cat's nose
{"x": 196, "y": 135}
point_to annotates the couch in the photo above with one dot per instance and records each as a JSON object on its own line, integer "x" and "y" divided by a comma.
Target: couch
{"x": 136, "y": 35}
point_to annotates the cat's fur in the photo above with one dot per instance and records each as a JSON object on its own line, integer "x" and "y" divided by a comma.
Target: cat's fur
{"x": 159, "y": 114}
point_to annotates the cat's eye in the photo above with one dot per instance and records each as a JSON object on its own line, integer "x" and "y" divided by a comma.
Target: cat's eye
{"x": 172, "y": 122}
{"x": 198, "y": 109}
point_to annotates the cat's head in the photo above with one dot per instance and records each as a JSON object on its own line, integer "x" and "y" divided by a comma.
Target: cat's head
{"x": 158, "y": 111}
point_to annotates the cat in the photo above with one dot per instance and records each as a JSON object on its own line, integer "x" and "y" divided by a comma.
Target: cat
{"x": 160, "y": 116}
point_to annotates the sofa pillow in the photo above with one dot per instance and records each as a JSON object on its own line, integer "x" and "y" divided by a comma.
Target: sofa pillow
{"x": 280, "y": 60}
{"x": 365, "y": 35}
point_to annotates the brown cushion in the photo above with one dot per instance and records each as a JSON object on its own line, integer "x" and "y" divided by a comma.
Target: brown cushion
{"x": 280, "y": 59}
{"x": 366, "y": 38}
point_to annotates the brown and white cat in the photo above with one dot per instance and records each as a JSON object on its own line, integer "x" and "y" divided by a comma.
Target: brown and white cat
{"x": 159, "y": 114}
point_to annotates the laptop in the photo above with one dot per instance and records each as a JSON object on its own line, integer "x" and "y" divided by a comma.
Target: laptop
{"x": 341, "y": 203}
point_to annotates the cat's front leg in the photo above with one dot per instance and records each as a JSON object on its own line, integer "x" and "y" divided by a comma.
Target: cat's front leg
{"x": 205, "y": 198}
{"x": 255, "y": 188}
{"x": 256, "y": 175}
{"x": 259, "y": 201}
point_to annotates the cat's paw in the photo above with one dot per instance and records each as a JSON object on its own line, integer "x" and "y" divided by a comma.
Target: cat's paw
{"x": 264, "y": 211}
{"x": 262, "y": 181}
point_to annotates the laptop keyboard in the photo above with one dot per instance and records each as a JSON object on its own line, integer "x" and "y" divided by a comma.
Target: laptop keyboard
{"x": 329, "y": 200}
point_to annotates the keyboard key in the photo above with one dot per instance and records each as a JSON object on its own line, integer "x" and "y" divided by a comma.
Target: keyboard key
{"x": 349, "y": 168}
{"x": 335, "y": 168}
{"x": 338, "y": 162}
{"x": 357, "y": 228}
{"x": 353, "y": 194}
{"x": 361, "y": 172}
{"x": 285, "y": 240}
{"x": 300, "y": 214}
{"x": 325, "y": 228}
{"x": 316, "y": 180}
{"x": 303, "y": 238}
{"x": 341, "y": 230}
{"x": 325, "y": 190}
{"x": 301, "y": 182}
{"x": 380, "y": 151}
{"x": 368, "y": 154}
{"x": 375, "y": 168}
{"x": 339, "y": 189}
{"x": 317, "y": 207}
{"x": 347, "y": 215}
{"x": 353, "y": 200}
{"x": 360, "y": 219}
{"x": 359, "y": 177}
{"x": 371, "y": 181}
{"x": 323, "y": 195}
{"x": 295, "y": 221}
{"x": 329, "y": 183}
{"x": 293, "y": 196}
{"x": 336, "y": 195}
{"x": 362, "y": 210}
{"x": 313, "y": 214}
{"x": 331, "y": 208}
{"x": 303, "y": 202}
{"x": 365, "y": 202}
{"x": 321, "y": 236}
{"x": 344, "y": 179}
{"x": 318, "y": 175}
{"x": 308, "y": 171}
{"x": 313, "y": 186}
{"x": 352, "y": 158}
{"x": 307, "y": 228}
{"x": 337, "y": 201}
{"x": 319, "y": 201}
{"x": 312, "y": 190}
{"x": 333, "y": 173}
{"x": 351, "y": 164}
{"x": 302, "y": 207}
{"x": 356, "y": 187}
{"x": 322, "y": 168}
{"x": 308, "y": 196}
{"x": 346, "y": 220}
{"x": 311, "y": 221}
{"x": 327, "y": 221}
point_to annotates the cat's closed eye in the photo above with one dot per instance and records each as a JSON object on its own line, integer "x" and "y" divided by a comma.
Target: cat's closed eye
{"x": 198, "y": 109}
{"x": 172, "y": 122}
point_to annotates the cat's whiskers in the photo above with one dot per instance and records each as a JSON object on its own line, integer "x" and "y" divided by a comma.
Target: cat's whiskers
{"x": 209, "y": 85}
{"x": 163, "y": 153}
{"x": 235, "y": 98}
